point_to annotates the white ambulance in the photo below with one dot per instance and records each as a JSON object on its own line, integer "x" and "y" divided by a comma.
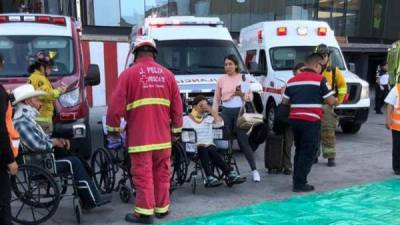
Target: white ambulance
{"x": 193, "y": 48}
{"x": 272, "y": 49}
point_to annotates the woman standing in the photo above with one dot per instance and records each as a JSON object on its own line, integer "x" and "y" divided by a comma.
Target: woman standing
{"x": 40, "y": 69}
{"x": 232, "y": 92}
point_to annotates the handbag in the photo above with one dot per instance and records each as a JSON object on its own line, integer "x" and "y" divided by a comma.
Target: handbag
{"x": 247, "y": 120}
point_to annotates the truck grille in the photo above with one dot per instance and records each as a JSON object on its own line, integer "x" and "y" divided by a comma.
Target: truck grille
{"x": 354, "y": 92}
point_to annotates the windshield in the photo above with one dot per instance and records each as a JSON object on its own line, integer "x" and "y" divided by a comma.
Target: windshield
{"x": 196, "y": 56}
{"x": 16, "y": 51}
{"x": 285, "y": 58}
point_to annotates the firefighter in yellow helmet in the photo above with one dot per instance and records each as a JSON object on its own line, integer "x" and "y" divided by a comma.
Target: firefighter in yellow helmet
{"x": 337, "y": 83}
{"x": 40, "y": 69}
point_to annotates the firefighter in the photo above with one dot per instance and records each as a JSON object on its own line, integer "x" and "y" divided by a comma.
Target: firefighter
{"x": 147, "y": 96}
{"x": 337, "y": 83}
{"x": 40, "y": 69}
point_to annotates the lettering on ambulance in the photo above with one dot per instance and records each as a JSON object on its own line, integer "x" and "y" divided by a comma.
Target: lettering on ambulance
{"x": 197, "y": 81}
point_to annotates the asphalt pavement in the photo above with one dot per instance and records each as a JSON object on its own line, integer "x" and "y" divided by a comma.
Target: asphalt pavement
{"x": 361, "y": 158}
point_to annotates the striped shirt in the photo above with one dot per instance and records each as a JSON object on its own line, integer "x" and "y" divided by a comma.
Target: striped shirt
{"x": 306, "y": 93}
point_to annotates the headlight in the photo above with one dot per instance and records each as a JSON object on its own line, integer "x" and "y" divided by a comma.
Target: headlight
{"x": 70, "y": 99}
{"x": 364, "y": 92}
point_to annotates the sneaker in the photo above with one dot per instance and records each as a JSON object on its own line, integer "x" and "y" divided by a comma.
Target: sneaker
{"x": 304, "y": 188}
{"x": 137, "y": 218}
{"x": 212, "y": 182}
{"x": 234, "y": 178}
{"x": 331, "y": 162}
{"x": 256, "y": 176}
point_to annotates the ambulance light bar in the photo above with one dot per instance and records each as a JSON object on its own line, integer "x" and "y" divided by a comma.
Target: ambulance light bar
{"x": 37, "y": 19}
{"x": 184, "y": 20}
{"x": 322, "y": 31}
{"x": 281, "y": 31}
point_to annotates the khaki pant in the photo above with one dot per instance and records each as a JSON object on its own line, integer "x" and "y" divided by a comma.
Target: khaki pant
{"x": 328, "y": 138}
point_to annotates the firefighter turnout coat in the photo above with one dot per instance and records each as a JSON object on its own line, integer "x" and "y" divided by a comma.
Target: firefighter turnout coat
{"x": 147, "y": 96}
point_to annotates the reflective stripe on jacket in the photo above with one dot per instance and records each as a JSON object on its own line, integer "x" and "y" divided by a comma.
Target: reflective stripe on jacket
{"x": 41, "y": 82}
{"x": 340, "y": 82}
{"x": 396, "y": 111}
{"x": 12, "y": 132}
{"x": 147, "y": 96}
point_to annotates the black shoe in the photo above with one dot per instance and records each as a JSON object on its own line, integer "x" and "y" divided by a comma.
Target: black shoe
{"x": 304, "y": 188}
{"x": 331, "y": 162}
{"x": 397, "y": 172}
{"x": 316, "y": 160}
{"x": 212, "y": 182}
{"x": 379, "y": 112}
{"x": 104, "y": 199}
{"x": 161, "y": 215}
{"x": 136, "y": 218}
{"x": 287, "y": 171}
{"x": 234, "y": 178}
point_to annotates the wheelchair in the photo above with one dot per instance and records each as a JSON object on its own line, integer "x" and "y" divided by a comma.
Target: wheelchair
{"x": 109, "y": 160}
{"x": 38, "y": 188}
{"x": 189, "y": 140}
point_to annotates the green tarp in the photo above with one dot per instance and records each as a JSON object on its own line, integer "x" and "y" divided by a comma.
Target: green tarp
{"x": 371, "y": 204}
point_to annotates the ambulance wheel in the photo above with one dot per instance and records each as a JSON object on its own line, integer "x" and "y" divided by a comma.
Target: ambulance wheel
{"x": 270, "y": 114}
{"x": 350, "y": 128}
{"x": 125, "y": 194}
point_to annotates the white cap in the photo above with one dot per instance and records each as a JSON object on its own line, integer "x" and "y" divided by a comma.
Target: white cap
{"x": 144, "y": 41}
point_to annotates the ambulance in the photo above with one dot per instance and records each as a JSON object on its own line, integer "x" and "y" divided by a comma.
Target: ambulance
{"x": 21, "y": 36}
{"x": 272, "y": 49}
{"x": 193, "y": 48}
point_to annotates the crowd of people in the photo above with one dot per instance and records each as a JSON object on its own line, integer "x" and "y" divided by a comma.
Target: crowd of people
{"x": 149, "y": 100}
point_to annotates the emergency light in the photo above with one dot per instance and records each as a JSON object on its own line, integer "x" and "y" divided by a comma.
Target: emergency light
{"x": 302, "y": 31}
{"x": 322, "y": 31}
{"x": 281, "y": 31}
{"x": 183, "y": 20}
{"x": 259, "y": 35}
{"x": 38, "y": 19}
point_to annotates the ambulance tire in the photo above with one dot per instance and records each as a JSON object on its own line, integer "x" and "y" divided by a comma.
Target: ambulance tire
{"x": 350, "y": 128}
{"x": 270, "y": 114}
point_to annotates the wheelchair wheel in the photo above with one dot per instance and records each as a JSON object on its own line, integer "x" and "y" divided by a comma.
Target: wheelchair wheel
{"x": 179, "y": 163}
{"x": 36, "y": 195}
{"x": 125, "y": 194}
{"x": 103, "y": 171}
{"x": 77, "y": 210}
{"x": 194, "y": 184}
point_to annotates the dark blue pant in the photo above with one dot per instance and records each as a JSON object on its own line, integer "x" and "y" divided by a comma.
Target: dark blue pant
{"x": 5, "y": 198}
{"x": 86, "y": 188}
{"x": 306, "y": 139}
{"x": 396, "y": 151}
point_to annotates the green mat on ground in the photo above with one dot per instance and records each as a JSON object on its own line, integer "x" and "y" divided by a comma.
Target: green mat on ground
{"x": 372, "y": 204}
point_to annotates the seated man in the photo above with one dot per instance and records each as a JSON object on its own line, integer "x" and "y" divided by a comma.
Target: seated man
{"x": 35, "y": 139}
{"x": 206, "y": 149}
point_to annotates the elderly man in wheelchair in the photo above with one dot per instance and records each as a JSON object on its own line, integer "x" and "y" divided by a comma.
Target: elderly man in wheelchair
{"x": 35, "y": 141}
{"x": 203, "y": 125}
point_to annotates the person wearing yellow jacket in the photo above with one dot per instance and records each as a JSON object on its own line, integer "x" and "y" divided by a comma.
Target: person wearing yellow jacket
{"x": 337, "y": 83}
{"x": 40, "y": 69}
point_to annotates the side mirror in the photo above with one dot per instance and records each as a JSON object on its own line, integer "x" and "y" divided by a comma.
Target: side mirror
{"x": 352, "y": 67}
{"x": 92, "y": 77}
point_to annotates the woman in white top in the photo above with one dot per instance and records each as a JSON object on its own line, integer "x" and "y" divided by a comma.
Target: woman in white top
{"x": 231, "y": 92}
{"x": 206, "y": 149}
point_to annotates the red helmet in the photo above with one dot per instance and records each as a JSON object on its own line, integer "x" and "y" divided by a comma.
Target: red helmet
{"x": 144, "y": 44}
{"x": 42, "y": 58}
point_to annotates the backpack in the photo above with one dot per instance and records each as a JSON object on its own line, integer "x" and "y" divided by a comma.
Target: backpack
{"x": 393, "y": 60}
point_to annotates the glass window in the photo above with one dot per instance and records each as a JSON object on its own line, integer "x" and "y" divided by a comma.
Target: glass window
{"x": 262, "y": 10}
{"x": 196, "y": 56}
{"x": 219, "y": 8}
{"x": 114, "y": 12}
{"x": 57, "y": 7}
{"x": 324, "y": 10}
{"x": 299, "y": 9}
{"x": 156, "y": 8}
{"x": 18, "y": 49}
{"x": 285, "y": 58}
{"x": 240, "y": 15}
{"x": 337, "y": 19}
{"x": 352, "y": 17}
